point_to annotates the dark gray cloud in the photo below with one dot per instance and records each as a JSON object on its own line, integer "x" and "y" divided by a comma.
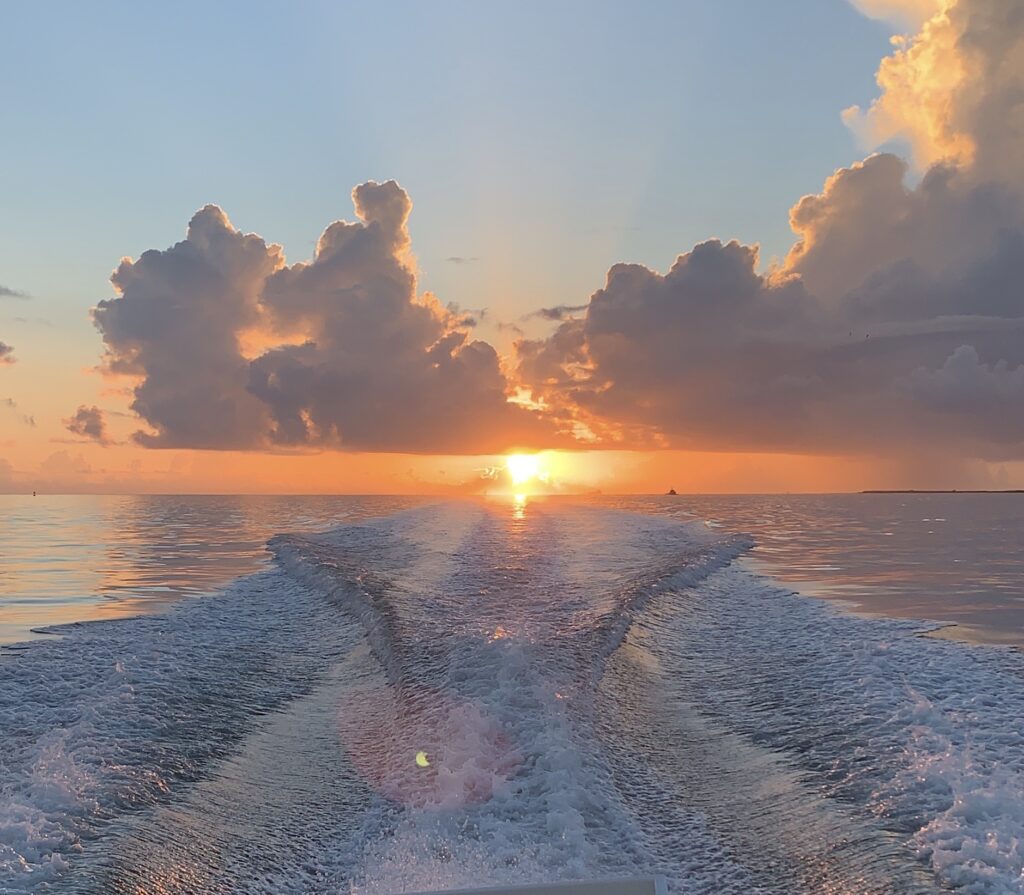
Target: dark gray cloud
{"x": 177, "y": 325}
{"x": 88, "y": 422}
{"x": 235, "y": 349}
{"x": 6, "y": 353}
{"x": 557, "y": 313}
{"x": 6, "y": 292}
{"x": 714, "y": 355}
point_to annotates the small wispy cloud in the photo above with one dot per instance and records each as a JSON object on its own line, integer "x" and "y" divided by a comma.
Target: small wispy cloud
{"x": 12, "y": 405}
{"x": 6, "y": 353}
{"x": 461, "y": 259}
{"x": 513, "y": 328}
{"x": 7, "y": 292}
{"x": 557, "y": 313}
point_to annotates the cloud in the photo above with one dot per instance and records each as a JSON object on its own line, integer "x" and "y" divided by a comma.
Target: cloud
{"x": 6, "y": 292}
{"x": 233, "y": 348}
{"x": 88, "y": 422}
{"x": 12, "y": 405}
{"x": 896, "y": 320}
{"x": 460, "y": 259}
{"x": 177, "y": 326}
{"x": 6, "y": 354}
{"x": 967, "y": 390}
{"x": 557, "y": 313}
{"x": 955, "y": 90}
{"x": 905, "y": 13}
{"x": 866, "y": 220}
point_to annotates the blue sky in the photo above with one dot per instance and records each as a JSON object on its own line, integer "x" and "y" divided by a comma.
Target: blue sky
{"x": 547, "y": 140}
{"x": 544, "y": 142}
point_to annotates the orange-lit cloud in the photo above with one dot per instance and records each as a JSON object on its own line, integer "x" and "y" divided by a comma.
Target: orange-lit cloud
{"x": 952, "y": 90}
{"x": 921, "y": 85}
{"x": 354, "y": 358}
{"x": 897, "y": 319}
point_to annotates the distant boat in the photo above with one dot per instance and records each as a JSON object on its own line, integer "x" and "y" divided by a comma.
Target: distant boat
{"x": 671, "y": 492}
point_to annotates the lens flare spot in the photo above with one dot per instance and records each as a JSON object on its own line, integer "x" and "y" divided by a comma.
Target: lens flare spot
{"x": 422, "y": 759}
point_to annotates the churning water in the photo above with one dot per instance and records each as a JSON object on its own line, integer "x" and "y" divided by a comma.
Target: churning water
{"x": 475, "y": 693}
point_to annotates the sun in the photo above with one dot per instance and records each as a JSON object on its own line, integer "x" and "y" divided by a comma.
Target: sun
{"x": 523, "y": 468}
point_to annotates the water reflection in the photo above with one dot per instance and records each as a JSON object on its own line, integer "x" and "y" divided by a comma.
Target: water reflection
{"x": 83, "y": 558}
{"x": 953, "y": 558}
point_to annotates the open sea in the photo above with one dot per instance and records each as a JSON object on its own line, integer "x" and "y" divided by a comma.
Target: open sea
{"x": 376, "y": 696}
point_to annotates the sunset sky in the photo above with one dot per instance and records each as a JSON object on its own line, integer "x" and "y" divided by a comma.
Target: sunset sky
{"x": 715, "y": 246}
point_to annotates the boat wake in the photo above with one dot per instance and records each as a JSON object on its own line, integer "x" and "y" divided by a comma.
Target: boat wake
{"x": 470, "y": 694}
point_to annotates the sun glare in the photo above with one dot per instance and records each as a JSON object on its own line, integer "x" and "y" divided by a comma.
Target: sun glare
{"x": 523, "y": 468}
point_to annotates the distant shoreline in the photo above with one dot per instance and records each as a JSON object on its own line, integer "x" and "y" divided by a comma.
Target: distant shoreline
{"x": 943, "y": 491}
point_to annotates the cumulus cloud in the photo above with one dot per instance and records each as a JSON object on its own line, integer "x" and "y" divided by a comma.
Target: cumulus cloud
{"x": 986, "y": 397}
{"x": 88, "y": 422}
{"x": 896, "y": 320}
{"x": 954, "y": 90}
{"x": 233, "y": 348}
{"x": 867, "y": 220}
{"x": 6, "y": 354}
{"x": 177, "y": 326}
{"x": 7, "y": 292}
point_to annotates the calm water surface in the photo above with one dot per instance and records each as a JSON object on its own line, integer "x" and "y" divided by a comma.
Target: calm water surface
{"x": 82, "y": 558}
{"x": 956, "y": 559}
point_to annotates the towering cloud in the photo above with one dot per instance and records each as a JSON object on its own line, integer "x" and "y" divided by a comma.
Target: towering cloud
{"x": 898, "y": 317}
{"x": 235, "y": 349}
{"x": 178, "y": 325}
{"x": 896, "y": 320}
{"x": 954, "y": 90}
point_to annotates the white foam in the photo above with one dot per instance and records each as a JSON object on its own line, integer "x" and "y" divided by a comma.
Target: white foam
{"x": 594, "y": 693}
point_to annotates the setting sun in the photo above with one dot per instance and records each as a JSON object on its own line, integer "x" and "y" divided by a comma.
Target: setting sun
{"x": 523, "y": 468}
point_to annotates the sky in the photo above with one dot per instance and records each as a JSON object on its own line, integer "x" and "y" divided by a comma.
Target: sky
{"x": 716, "y": 246}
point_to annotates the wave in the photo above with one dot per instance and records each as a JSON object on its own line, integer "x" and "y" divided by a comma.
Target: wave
{"x": 466, "y": 694}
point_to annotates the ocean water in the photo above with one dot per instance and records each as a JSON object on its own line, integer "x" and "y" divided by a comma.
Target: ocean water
{"x": 386, "y": 696}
